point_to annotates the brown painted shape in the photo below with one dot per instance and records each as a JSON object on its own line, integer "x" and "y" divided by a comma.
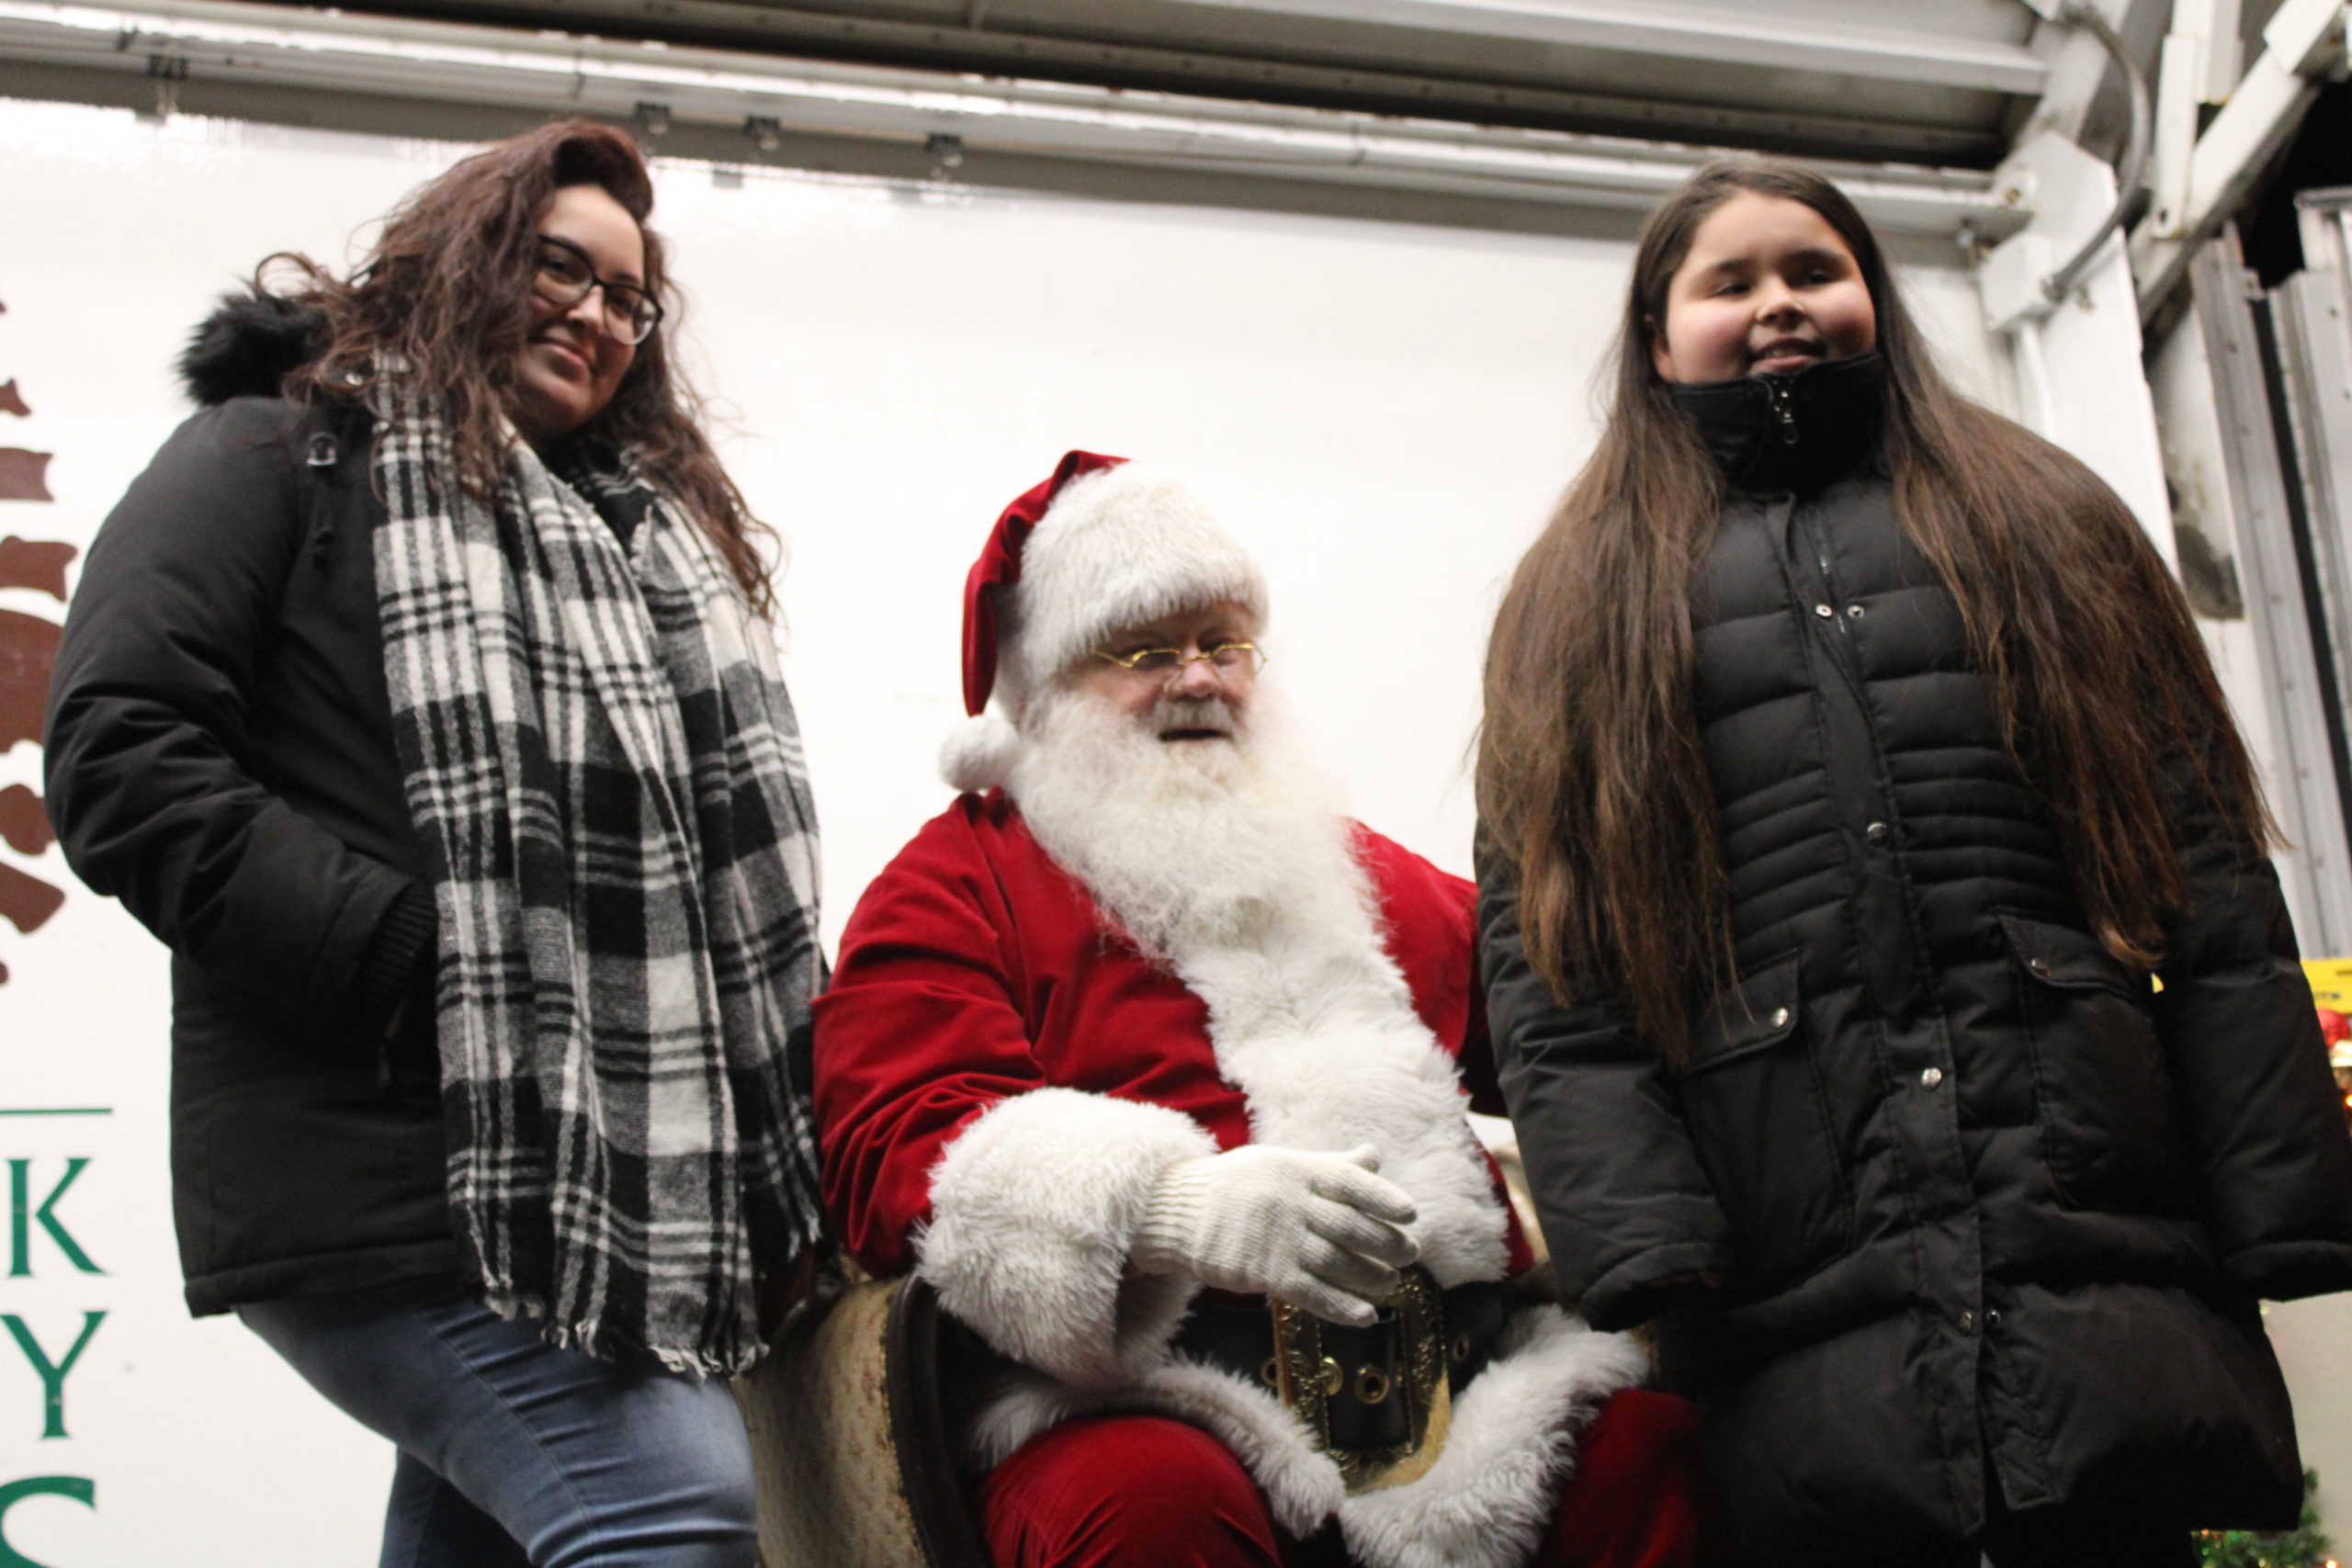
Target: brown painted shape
{"x": 28, "y": 654}
{"x": 38, "y": 564}
{"x": 24, "y": 826}
{"x": 28, "y": 901}
{"x": 24, "y": 476}
{"x": 11, "y": 399}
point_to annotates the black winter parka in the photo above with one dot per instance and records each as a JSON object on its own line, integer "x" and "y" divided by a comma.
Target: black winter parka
{"x": 219, "y": 758}
{"x": 1988, "y": 1209}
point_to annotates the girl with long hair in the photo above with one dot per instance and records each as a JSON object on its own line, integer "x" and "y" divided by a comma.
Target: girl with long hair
{"x": 1893, "y": 997}
{"x": 418, "y": 696}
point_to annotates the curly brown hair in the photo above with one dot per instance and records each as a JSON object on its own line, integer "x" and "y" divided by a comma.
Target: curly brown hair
{"x": 1593, "y": 789}
{"x": 444, "y": 292}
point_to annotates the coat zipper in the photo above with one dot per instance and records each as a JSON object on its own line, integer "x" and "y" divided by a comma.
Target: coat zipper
{"x": 1776, "y": 395}
{"x": 1828, "y": 578}
{"x": 1824, "y": 584}
{"x": 1783, "y": 411}
{"x": 320, "y": 458}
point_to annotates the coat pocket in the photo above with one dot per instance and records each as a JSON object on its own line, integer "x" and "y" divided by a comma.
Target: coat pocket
{"x": 1752, "y": 1101}
{"x": 2101, "y": 1092}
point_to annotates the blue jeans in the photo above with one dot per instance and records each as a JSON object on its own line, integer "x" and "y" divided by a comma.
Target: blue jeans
{"x": 514, "y": 1452}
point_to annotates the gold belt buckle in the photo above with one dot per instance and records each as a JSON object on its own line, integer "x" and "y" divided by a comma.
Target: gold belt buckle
{"x": 1306, "y": 1379}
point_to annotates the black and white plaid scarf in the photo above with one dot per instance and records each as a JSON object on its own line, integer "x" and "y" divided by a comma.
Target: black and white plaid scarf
{"x": 608, "y": 780}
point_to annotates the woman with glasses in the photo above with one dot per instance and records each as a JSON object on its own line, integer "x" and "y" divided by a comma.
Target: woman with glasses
{"x": 418, "y": 696}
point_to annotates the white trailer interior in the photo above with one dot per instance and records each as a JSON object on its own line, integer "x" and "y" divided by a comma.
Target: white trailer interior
{"x": 1350, "y": 264}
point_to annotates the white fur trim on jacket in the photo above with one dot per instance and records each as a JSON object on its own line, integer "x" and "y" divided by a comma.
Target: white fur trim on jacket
{"x": 1315, "y": 1023}
{"x": 1033, "y": 1207}
{"x": 1118, "y": 547}
{"x": 1484, "y": 1504}
{"x": 1303, "y": 1487}
{"x": 1487, "y": 1500}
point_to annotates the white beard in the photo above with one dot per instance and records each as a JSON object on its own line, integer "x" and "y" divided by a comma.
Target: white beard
{"x": 1188, "y": 845}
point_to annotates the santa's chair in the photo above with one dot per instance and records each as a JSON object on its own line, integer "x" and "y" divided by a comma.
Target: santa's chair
{"x": 849, "y": 1432}
{"x": 850, "y": 1442}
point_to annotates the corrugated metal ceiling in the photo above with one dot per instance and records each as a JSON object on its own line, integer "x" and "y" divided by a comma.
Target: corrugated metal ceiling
{"x": 1941, "y": 81}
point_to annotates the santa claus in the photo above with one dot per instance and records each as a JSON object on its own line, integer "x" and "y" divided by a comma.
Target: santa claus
{"x": 1156, "y": 1067}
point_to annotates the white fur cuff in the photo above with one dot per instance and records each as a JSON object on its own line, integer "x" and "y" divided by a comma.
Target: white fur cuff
{"x": 1033, "y": 1207}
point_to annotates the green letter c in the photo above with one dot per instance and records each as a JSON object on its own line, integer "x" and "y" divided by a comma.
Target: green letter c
{"x": 81, "y": 1489}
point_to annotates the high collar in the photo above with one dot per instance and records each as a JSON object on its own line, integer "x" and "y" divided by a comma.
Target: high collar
{"x": 1796, "y": 431}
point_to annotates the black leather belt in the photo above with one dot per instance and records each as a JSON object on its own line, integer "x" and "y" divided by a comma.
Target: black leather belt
{"x": 1362, "y": 1412}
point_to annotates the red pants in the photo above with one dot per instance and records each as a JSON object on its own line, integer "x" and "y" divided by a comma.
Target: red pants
{"x": 1146, "y": 1491}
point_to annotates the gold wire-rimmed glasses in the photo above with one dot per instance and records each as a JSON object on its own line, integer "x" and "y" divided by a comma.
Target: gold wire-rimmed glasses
{"x": 566, "y": 276}
{"x": 1168, "y": 663}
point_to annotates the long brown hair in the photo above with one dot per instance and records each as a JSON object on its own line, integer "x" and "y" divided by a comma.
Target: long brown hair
{"x": 1593, "y": 784}
{"x": 443, "y": 291}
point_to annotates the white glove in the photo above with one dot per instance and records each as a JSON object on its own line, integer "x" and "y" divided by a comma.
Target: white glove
{"x": 1318, "y": 1230}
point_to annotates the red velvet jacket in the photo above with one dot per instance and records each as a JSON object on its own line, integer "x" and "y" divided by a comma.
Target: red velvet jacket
{"x": 974, "y": 969}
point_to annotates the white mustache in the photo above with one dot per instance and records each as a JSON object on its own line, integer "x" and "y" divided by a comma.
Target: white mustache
{"x": 1191, "y": 713}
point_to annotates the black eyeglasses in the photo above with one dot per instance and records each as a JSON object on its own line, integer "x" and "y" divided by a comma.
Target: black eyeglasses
{"x": 566, "y": 276}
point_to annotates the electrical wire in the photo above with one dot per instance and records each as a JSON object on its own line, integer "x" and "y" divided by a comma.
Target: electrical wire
{"x": 2134, "y": 167}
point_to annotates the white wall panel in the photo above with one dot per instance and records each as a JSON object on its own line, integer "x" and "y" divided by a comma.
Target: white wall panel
{"x": 1386, "y": 413}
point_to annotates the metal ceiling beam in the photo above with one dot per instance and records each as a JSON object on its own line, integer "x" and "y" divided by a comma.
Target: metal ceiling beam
{"x": 175, "y": 40}
{"x": 2305, "y": 43}
{"x": 1764, "y": 41}
{"x": 1401, "y": 81}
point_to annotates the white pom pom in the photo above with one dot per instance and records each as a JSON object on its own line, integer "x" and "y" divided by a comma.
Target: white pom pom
{"x": 977, "y": 754}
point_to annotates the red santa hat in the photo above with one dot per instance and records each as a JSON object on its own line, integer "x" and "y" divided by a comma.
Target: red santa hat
{"x": 1102, "y": 543}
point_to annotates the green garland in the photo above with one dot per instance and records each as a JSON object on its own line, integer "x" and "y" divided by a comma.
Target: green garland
{"x": 2302, "y": 1547}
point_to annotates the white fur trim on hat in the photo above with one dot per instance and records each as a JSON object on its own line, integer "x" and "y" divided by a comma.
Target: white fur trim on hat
{"x": 1117, "y": 548}
{"x": 977, "y": 754}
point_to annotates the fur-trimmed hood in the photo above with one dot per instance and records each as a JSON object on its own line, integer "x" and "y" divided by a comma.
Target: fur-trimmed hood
{"x": 248, "y": 345}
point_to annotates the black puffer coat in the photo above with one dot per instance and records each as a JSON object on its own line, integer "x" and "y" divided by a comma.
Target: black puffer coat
{"x": 219, "y": 758}
{"x": 1983, "y": 1201}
